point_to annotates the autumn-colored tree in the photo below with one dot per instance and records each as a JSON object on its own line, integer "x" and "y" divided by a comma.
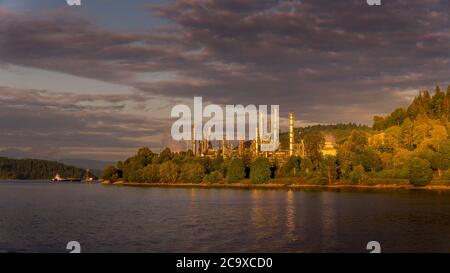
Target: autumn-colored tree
{"x": 313, "y": 146}
{"x": 407, "y": 134}
{"x": 401, "y": 158}
{"x": 357, "y": 141}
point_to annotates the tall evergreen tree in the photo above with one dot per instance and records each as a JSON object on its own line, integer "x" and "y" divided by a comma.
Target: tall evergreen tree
{"x": 437, "y": 103}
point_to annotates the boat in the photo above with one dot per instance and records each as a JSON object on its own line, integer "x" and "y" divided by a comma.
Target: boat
{"x": 59, "y": 178}
{"x": 88, "y": 177}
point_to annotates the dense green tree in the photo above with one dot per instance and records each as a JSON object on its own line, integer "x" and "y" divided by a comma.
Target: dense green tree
{"x": 214, "y": 177}
{"x": 367, "y": 158}
{"x": 444, "y": 155}
{"x": 439, "y": 156}
{"x": 291, "y": 168}
{"x": 36, "y": 169}
{"x": 397, "y": 117}
{"x": 446, "y": 106}
{"x": 306, "y": 167}
{"x": 379, "y": 123}
{"x": 407, "y": 134}
{"x": 419, "y": 171}
{"x": 132, "y": 170}
{"x": 329, "y": 168}
{"x": 357, "y": 141}
{"x": 192, "y": 172}
{"x": 150, "y": 174}
{"x": 260, "y": 170}
{"x": 437, "y": 103}
{"x": 235, "y": 170}
{"x": 144, "y": 156}
{"x": 427, "y": 103}
{"x": 358, "y": 174}
{"x": 169, "y": 172}
{"x": 165, "y": 155}
{"x": 111, "y": 174}
{"x": 133, "y": 167}
{"x": 313, "y": 146}
{"x": 218, "y": 164}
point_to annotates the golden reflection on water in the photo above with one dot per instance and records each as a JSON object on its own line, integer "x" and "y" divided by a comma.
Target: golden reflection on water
{"x": 290, "y": 216}
{"x": 257, "y": 212}
{"x": 194, "y": 218}
{"x": 257, "y": 218}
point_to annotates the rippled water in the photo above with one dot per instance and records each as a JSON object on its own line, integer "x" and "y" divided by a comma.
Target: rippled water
{"x": 43, "y": 217}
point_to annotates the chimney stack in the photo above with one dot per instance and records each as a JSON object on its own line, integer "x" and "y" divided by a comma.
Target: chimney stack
{"x": 291, "y": 134}
{"x": 194, "y": 147}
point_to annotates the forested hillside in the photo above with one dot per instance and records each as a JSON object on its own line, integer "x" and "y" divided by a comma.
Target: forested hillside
{"x": 340, "y": 132}
{"x": 423, "y": 106}
{"x": 36, "y": 169}
{"x": 417, "y": 135}
{"x": 409, "y": 145}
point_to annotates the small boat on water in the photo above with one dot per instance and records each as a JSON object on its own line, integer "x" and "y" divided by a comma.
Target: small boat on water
{"x": 88, "y": 178}
{"x": 58, "y": 178}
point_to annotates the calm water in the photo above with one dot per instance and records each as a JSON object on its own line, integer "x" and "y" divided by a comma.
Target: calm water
{"x": 43, "y": 217}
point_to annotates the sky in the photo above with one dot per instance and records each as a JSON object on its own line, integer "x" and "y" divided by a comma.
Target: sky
{"x": 98, "y": 81}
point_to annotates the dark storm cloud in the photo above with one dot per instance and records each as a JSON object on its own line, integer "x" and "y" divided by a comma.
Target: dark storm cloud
{"x": 320, "y": 52}
{"x": 328, "y": 61}
{"x": 40, "y": 119}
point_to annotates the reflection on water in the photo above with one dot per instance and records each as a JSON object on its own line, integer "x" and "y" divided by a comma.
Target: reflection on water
{"x": 257, "y": 218}
{"x": 328, "y": 219}
{"x": 290, "y": 216}
{"x": 43, "y": 217}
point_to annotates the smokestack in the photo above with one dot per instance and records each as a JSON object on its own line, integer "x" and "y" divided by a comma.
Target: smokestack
{"x": 275, "y": 123}
{"x": 291, "y": 134}
{"x": 223, "y": 148}
{"x": 194, "y": 146}
{"x": 257, "y": 137}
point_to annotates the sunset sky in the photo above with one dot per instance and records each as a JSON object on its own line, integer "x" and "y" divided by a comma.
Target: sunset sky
{"x": 99, "y": 81}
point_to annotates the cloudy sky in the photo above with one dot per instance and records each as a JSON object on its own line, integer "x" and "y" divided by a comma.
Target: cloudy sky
{"x": 99, "y": 81}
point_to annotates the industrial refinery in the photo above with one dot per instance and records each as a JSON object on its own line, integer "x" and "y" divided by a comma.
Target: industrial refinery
{"x": 229, "y": 149}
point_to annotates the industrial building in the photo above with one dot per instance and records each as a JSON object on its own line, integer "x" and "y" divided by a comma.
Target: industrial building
{"x": 229, "y": 149}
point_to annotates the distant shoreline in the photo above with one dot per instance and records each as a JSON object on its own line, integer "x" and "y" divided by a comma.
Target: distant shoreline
{"x": 248, "y": 185}
{"x": 279, "y": 186}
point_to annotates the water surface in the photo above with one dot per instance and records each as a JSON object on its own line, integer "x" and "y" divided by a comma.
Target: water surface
{"x": 37, "y": 216}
